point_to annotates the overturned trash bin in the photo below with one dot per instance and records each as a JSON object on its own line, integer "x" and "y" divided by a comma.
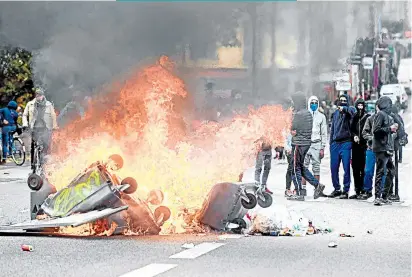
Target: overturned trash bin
{"x": 222, "y": 209}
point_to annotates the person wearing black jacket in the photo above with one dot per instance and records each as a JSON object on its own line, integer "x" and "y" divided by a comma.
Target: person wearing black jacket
{"x": 301, "y": 131}
{"x": 341, "y": 146}
{"x": 383, "y": 146}
{"x": 359, "y": 145}
{"x": 400, "y": 133}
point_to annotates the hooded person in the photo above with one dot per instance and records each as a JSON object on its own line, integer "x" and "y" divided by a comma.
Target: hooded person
{"x": 341, "y": 146}
{"x": 8, "y": 117}
{"x": 397, "y": 147}
{"x": 383, "y": 129}
{"x": 359, "y": 146}
{"x": 370, "y": 159}
{"x": 40, "y": 117}
{"x": 319, "y": 138}
{"x": 301, "y": 131}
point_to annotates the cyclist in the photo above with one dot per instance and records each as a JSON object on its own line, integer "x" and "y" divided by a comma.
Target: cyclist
{"x": 39, "y": 115}
{"x": 8, "y": 117}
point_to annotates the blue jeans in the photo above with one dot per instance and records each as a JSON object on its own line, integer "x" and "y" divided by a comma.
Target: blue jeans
{"x": 5, "y": 138}
{"x": 369, "y": 171}
{"x": 340, "y": 152}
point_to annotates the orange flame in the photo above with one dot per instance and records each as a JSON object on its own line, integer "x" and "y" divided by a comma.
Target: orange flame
{"x": 146, "y": 122}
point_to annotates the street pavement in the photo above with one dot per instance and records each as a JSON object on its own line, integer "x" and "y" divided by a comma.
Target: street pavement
{"x": 384, "y": 252}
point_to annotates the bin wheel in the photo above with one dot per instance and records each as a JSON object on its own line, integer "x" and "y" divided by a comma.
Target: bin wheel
{"x": 251, "y": 203}
{"x": 155, "y": 197}
{"x": 132, "y": 185}
{"x": 35, "y": 182}
{"x": 162, "y": 214}
{"x": 242, "y": 225}
{"x": 267, "y": 202}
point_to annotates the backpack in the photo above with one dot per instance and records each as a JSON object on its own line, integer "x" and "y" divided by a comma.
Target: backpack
{"x": 402, "y": 136}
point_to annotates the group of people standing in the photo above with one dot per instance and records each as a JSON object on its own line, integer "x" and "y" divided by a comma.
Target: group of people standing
{"x": 356, "y": 139}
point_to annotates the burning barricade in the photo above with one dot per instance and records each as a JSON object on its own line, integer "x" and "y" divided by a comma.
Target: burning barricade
{"x": 145, "y": 121}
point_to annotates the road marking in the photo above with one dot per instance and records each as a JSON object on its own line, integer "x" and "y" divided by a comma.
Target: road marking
{"x": 230, "y": 236}
{"x": 150, "y": 270}
{"x": 197, "y": 251}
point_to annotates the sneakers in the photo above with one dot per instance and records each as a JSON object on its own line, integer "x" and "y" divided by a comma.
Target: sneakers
{"x": 344, "y": 195}
{"x": 394, "y": 198}
{"x": 318, "y": 191}
{"x": 355, "y": 196}
{"x": 365, "y": 196}
{"x": 296, "y": 198}
{"x": 386, "y": 201}
{"x": 335, "y": 194}
{"x": 378, "y": 202}
{"x": 288, "y": 193}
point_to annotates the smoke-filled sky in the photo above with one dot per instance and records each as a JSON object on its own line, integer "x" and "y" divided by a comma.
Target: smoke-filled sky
{"x": 84, "y": 45}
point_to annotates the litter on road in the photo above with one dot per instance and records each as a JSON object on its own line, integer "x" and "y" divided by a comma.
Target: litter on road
{"x": 332, "y": 244}
{"x": 27, "y": 248}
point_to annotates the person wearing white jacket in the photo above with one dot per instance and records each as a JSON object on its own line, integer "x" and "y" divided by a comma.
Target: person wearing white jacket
{"x": 319, "y": 138}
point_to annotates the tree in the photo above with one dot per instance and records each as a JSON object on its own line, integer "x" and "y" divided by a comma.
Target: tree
{"x": 15, "y": 75}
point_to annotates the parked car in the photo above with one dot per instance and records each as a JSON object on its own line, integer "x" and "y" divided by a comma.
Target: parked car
{"x": 397, "y": 93}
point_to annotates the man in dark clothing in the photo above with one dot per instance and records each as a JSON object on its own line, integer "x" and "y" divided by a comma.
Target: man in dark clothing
{"x": 341, "y": 146}
{"x": 301, "y": 139}
{"x": 382, "y": 144}
{"x": 359, "y": 145}
{"x": 398, "y": 136}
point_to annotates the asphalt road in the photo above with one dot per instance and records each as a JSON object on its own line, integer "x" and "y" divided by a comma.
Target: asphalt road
{"x": 385, "y": 252}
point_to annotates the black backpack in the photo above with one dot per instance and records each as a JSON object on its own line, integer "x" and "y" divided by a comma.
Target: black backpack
{"x": 401, "y": 133}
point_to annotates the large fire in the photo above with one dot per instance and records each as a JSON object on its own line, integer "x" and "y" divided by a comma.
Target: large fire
{"x": 146, "y": 121}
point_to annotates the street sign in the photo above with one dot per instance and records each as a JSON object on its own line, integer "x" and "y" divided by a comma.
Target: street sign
{"x": 367, "y": 63}
{"x": 343, "y": 85}
{"x": 355, "y": 59}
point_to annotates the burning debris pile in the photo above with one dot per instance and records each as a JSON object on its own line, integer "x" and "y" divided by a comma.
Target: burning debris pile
{"x": 146, "y": 122}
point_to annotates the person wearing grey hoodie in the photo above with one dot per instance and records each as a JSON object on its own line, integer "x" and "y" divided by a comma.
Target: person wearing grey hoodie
{"x": 301, "y": 131}
{"x": 319, "y": 138}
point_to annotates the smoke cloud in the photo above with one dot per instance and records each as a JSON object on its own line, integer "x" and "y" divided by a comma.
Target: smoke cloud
{"x": 83, "y": 45}
{"x": 80, "y": 46}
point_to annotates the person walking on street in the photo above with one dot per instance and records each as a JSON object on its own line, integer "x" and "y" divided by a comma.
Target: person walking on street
{"x": 341, "y": 146}
{"x": 40, "y": 117}
{"x": 8, "y": 118}
{"x": 263, "y": 161}
{"x": 369, "y": 158}
{"x": 301, "y": 131}
{"x": 383, "y": 127}
{"x": 359, "y": 146}
{"x": 318, "y": 140}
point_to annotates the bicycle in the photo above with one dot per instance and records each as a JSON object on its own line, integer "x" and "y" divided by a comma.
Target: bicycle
{"x": 17, "y": 149}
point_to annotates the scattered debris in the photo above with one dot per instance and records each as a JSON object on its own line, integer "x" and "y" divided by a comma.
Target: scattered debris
{"x": 188, "y": 245}
{"x": 370, "y": 232}
{"x": 346, "y": 236}
{"x": 26, "y": 247}
{"x": 332, "y": 244}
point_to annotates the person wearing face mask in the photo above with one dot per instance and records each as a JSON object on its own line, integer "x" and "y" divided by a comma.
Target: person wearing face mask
{"x": 341, "y": 146}
{"x": 359, "y": 146}
{"x": 39, "y": 116}
{"x": 369, "y": 157}
{"x": 301, "y": 132}
{"x": 318, "y": 140}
